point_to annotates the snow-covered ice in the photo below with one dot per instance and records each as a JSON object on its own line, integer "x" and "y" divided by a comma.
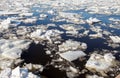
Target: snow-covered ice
{"x": 72, "y": 45}
{"x": 72, "y": 55}
{"x": 12, "y": 49}
{"x": 17, "y": 73}
{"x": 115, "y": 39}
{"x": 100, "y": 63}
{"x": 92, "y": 20}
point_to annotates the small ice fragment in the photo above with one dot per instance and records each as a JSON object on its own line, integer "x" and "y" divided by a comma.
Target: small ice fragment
{"x": 92, "y": 20}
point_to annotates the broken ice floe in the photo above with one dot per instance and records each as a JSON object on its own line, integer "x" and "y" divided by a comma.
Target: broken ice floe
{"x": 26, "y": 14}
{"x": 72, "y": 55}
{"x": 17, "y": 73}
{"x": 97, "y": 35}
{"x": 12, "y": 49}
{"x": 100, "y": 63}
{"x": 92, "y": 20}
{"x": 72, "y": 45}
{"x": 93, "y": 76}
{"x": 30, "y": 20}
{"x": 8, "y": 13}
{"x": 115, "y": 39}
{"x": 43, "y": 15}
{"x": 71, "y": 17}
{"x": 5, "y": 24}
{"x": 43, "y": 34}
{"x": 4, "y": 63}
{"x": 74, "y": 32}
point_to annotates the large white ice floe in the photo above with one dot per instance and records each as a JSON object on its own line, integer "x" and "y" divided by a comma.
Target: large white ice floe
{"x": 100, "y": 63}
{"x": 92, "y": 20}
{"x": 115, "y": 39}
{"x": 72, "y": 45}
{"x": 12, "y": 49}
{"x": 72, "y": 55}
{"x": 17, "y": 73}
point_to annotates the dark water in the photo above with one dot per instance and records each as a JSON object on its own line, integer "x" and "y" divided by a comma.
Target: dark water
{"x": 36, "y": 55}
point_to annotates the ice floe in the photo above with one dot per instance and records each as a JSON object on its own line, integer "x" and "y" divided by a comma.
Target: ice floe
{"x": 30, "y": 20}
{"x": 115, "y": 39}
{"x": 92, "y": 20}
{"x": 72, "y": 55}
{"x": 100, "y": 63}
{"x": 17, "y": 73}
{"x": 98, "y": 35}
{"x": 72, "y": 45}
{"x": 8, "y": 13}
{"x": 93, "y": 76}
{"x": 43, "y": 34}
{"x": 5, "y": 24}
{"x": 12, "y": 49}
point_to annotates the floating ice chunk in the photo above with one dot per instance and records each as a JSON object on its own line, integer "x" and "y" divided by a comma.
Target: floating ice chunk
{"x": 43, "y": 15}
{"x": 37, "y": 33}
{"x": 100, "y": 63}
{"x": 19, "y": 73}
{"x": 69, "y": 27}
{"x": 30, "y": 20}
{"x": 5, "y": 73}
{"x": 67, "y": 15}
{"x": 73, "y": 69}
{"x": 13, "y": 53}
{"x": 69, "y": 45}
{"x": 8, "y": 13}
{"x": 115, "y": 39}
{"x": 4, "y": 63}
{"x": 70, "y": 17}
{"x": 86, "y": 32}
{"x": 42, "y": 34}
{"x": 98, "y": 35}
{"x": 92, "y": 20}
{"x": 74, "y": 32}
{"x": 106, "y": 33}
{"x": 72, "y": 45}
{"x": 72, "y": 55}
{"x": 22, "y": 73}
{"x": 83, "y": 46}
{"x": 26, "y": 14}
{"x": 5, "y": 24}
{"x": 30, "y": 75}
{"x": 51, "y": 12}
{"x": 12, "y": 49}
{"x": 109, "y": 57}
{"x": 93, "y": 76}
{"x": 21, "y": 44}
{"x": 22, "y": 30}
